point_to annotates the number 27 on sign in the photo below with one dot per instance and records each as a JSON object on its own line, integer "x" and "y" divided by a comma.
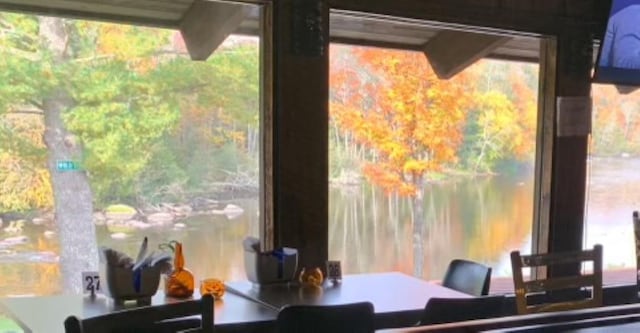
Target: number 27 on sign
{"x": 91, "y": 282}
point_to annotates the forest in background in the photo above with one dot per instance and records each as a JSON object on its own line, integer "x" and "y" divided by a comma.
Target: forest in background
{"x": 154, "y": 126}
{"x": 157, "y": 127}
{"x": 396, "y": 121}
{"x": 616, "y": 122}
{"x": 149, "y": 126}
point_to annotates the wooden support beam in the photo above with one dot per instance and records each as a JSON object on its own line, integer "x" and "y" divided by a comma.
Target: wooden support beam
{"x": 450, "y": 52}
{"x": 541, "y": 18}
{"x": 267, "y": 153}
{"x": 569, "y": 177}
{"x": 301, "y": 128}
{"x": 207, "y": 24}
{"x": 544, "y": 146}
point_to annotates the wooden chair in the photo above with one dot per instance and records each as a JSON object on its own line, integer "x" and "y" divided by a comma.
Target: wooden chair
{"x": 172, "y": 317}
{"x": 468, "y": 277}
{"x": 344, "y": 318}
{"x": 636, "y": 233}
{"x": 558, "y": 284}
{"x": 447, "y": 310}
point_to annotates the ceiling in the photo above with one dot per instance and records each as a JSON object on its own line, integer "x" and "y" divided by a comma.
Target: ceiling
{"x": 414, "y": 35}
{"x": 355, "y": 28}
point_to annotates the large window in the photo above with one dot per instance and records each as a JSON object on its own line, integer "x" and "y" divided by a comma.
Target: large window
{"x": 424, "y": 170}
{"x": 110, "y": 133}
{"x": 613, "y": 181}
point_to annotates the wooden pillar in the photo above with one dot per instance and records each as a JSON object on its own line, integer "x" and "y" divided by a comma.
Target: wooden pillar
{"x": 570, "y": 145}
{"x": 544, "y": 144}
{"x": 300, "y": 128}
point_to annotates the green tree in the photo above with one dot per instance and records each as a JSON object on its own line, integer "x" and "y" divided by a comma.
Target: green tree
{"x": 112, "y": 98}
{"x": 491, "y": 132}
{"x": 500, "y": 132}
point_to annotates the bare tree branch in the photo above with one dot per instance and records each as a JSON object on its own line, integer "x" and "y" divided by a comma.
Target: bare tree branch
{"x": 36, "y": 112}
{"x": 32, "y": 56}
{"x": 36, "y": 104}
{"x": 94, "y": 58}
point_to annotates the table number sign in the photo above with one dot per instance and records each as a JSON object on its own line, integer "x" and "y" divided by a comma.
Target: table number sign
{"x": 334, "y": 271}
{"x": 90, "y": 283}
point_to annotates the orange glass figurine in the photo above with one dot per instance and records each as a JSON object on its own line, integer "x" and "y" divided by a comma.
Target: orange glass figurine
{"x": 214, "y": 287}
{"x": 311, "y": 277}
{"x": 180, "y": 282}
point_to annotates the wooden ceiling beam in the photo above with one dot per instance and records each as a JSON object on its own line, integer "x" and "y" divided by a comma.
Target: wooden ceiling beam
{"x": 207, "y": 24}
{"x": 79, "y": 14}
{"x": 511, "y": 15}
{"x": 450, "y": 52}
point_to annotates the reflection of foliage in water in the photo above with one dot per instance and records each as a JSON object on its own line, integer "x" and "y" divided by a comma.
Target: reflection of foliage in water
{"x": 31, "y": 278}
{"x": 212, "y": 248}
{"x": 480, "y": 219}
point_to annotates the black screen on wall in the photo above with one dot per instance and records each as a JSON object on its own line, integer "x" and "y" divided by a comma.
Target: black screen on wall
{"x": 619, "y": 56}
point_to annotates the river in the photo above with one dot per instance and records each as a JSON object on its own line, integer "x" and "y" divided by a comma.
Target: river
{"x": 481, "y": 219}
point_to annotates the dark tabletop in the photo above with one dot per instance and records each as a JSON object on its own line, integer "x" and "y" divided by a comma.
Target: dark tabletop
{"x": 245, "y": 306}
{"x": 389, "y": 292}
{"x": 46, "y": 314}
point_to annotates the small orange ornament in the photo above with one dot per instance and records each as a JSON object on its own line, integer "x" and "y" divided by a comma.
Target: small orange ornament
{"x": 180, "y": 282}
{"x": 214, "y": 287}
{"x": 311, "y": 277}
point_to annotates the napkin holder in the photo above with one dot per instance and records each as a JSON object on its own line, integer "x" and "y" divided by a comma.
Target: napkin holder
{"x": 123, "y": 284}
{"x": 277, "y": 266}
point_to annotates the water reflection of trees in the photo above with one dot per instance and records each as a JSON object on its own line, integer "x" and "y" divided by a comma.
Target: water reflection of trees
{"x": 212, "y": 248}
{"x": 478, "y": 219}
{"x": 32, "y": 278}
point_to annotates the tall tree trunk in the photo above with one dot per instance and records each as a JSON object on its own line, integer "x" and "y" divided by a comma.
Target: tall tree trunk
{"x": 418, "y": 232}
{"x": 72, "y": 193}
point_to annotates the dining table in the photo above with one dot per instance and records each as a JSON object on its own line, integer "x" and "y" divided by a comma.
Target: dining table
{"x": 46, "y": 314}
{"x": 398, "y": 299}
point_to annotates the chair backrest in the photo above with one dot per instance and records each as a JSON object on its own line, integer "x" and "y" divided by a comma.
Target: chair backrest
{"x": 636, "y": 232}
{"x": 171, "y": 317}
{"x": 344, "y": 318}
{"x": 556, "y": 285}
{"x": 447, "y": 310}
{"x": 468, "y": 277}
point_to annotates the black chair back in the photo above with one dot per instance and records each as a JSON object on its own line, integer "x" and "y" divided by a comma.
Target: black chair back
{"x": 468, "y": 277}
{"x": 448, "y": 310}
{"x": 345, "y": 318}
{"x": 166, "y": 318}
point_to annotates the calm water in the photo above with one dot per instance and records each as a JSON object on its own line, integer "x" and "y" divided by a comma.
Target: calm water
{"x": 480, "y": 219}
{"x": 614, "y": 193}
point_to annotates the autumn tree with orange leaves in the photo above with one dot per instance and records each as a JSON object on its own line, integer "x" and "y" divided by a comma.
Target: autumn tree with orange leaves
{"x": 409, "y": 121}
{"x": 616, "y": 122}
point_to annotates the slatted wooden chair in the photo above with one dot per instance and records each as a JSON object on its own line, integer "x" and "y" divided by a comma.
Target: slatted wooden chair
{"x": 593, "y": 281}
{"x": 636, "y": 233}
{"x": 166, "y": 318}
{"x": 343, "y": 318}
